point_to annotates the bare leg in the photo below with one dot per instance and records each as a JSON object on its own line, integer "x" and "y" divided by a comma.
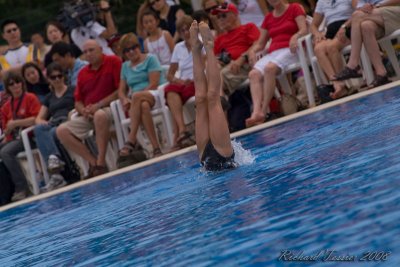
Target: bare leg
{"x": 200, "y": 82}
{"x": 75, "y": 145}
{"x": 369, "y": 29}
{"x": 356, "y": 38}
{"x": 135, "y": 113}
{"x": 176, "y": 107}
{"x": 270, "y": 73}
{"x": 218, "y": 126}
{"x": 256, "y": 89}
{"x": 147, "y": 120}
{"x": 102, "y": 127}
{"x": 321, "y": 52}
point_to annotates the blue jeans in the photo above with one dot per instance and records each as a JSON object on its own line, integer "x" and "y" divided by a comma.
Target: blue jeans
{"x": 46, "y": 140}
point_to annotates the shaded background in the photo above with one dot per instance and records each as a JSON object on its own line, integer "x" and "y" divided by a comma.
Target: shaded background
{"x": 32, "y": 15}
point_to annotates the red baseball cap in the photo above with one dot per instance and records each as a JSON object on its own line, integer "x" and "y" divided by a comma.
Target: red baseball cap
{"x": 225, "y": 8}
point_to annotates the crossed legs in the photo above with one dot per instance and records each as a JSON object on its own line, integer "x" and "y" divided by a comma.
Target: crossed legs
{"x": 140, "y": 113}
{"x": 329, "y": 57}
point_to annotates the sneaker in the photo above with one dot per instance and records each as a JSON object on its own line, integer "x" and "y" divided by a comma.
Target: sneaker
{"x": 56, "y": 181}
{"x": 55, "y": 164}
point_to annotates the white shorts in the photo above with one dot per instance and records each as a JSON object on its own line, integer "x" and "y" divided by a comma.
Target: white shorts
{"x": 281, "y": 57}
{"x": 156, "y": 95}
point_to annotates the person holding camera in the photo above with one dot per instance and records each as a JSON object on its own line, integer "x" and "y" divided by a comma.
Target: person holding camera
{"x": 232, "y": 45}
{"x": 17, "y": 113}
{"x": 94, "y": 30}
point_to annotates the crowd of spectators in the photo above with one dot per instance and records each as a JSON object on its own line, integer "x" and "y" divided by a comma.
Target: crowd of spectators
{"x": 64, "y": 86}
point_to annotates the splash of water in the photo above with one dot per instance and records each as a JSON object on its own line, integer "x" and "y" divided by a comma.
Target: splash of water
{"x": 242, "y": 156}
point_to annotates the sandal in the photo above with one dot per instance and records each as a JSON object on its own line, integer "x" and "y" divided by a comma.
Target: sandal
{"x": 379, "y": 80}
{"x": 324, "y": 92}
{"x": 185, "y": 139}
{"x": 348, "y": 73}
{"x": 157, "y": 152}
{"x": 128, "y": 148}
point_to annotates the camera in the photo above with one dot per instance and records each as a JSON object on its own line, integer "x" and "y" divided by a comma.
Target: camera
{"x": 77, "y": 13}
{"x": 224, "y": 57}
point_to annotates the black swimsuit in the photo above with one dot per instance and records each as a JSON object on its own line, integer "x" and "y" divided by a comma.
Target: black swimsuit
{"x": 213, "y": 161}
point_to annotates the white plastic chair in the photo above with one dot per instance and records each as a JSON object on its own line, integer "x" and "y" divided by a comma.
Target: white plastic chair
{"x": 34, "y": 174}
{"x": 386, "y": 44}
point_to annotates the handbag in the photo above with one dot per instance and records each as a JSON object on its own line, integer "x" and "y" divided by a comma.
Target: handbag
{"x": 289, "y": 104}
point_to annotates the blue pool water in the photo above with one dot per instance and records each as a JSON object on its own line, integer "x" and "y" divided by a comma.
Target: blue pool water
{"x": 325, "y": 181}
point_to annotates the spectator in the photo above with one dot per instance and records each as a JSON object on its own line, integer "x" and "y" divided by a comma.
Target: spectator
{"x": 38, "y": 41}
{"x": 285, "y": 18}
{"x": 371, "y": 21}
{"x": 113, "y": 43}
{"x": 96, "y": 87}
{"x": 55, "y": 32}
{"x": 93, "y": 30}
{"x": 62, "y": 53}
{"x": 53, "y": 112}
{"x": 181, "y": 89}
{"x": 208, "y": 6}
{"x": 35, "y": 81}
{"x": 158, "y": 42}
{"x": 232, "y": 46}
{"x": 17, "y": 113}
{"x": 18, "y": 53}
{"x": 168, "y": 16}
{"x": 4, "y": 97}
{"x": 251, "y": 11}
{"x": 142, "y": 73}
{"x": 328, "y": 46}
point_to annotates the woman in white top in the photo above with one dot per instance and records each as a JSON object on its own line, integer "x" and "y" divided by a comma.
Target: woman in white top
{"x": 158, "y": 42}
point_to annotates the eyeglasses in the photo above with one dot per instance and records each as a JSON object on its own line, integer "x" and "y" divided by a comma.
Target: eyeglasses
{"x": 12, "y": 30}
{"x": 129, "y": 49}
{"x": 57, "y": 76}
{"x": 221, "y": 16}
{"x": 208, "y": 10}
{"x": 153, "y": 2}
{"x": 12, "y": 83}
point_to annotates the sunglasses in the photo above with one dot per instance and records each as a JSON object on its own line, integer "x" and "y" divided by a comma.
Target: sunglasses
{"x": 129, "y": 49}
{"x": 12, "y": 30}
{"x": 208, "y": 10}
{"x": 12, "y": 83}
{"x": 221, "y": 16}
{"x": 153, "y": 2}
{"x": 57, "y": 76}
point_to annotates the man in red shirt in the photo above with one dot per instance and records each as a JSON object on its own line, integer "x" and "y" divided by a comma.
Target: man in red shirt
{"x": 96, "y": 88}
{"x": 233, "y": 44}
